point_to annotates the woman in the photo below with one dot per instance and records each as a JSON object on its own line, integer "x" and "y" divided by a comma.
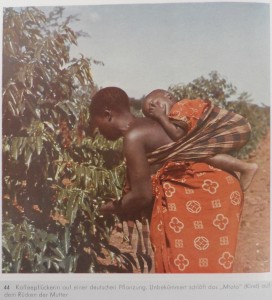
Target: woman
{"x": 196, "y": 208}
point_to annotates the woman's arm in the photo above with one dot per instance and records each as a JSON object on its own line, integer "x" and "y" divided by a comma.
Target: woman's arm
{"x": 140, "y": 194}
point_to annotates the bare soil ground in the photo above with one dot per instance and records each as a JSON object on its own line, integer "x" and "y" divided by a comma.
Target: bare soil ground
{"x": 253, "y": 248}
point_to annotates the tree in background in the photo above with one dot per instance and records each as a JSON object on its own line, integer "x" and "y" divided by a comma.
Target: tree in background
{"x": 215, "y": 88}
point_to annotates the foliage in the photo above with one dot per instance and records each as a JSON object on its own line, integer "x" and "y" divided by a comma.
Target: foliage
{"x": 55, "y": 177}
{"x": 215, "y": 88}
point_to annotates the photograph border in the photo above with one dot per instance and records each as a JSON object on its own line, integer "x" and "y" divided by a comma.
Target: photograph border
{"x": 140, "y": 279}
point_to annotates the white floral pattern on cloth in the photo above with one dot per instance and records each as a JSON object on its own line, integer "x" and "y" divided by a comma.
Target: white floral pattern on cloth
{"x": 193, "y": 206}
{"x": 201, "y": 174}
{"x": 201, "y": 243}
{"x": 224, "y": 240}
{"x": 210, "y": 186}
{"x": 230, "y": 179}
{"x": 171, "y": 207}
{"x": 203, "y": 262}
{"x": 220, "y": 222}
{"x": 181, "y": 262}
{"x": 226, "y": 260}
{"x": 169, "y": 189}
{"x": 188, "y": 191}
{"x": 213, "y": 168}
{"x": 235, "y": 198}
{"x": 216, "y": 203}
{"x": 193, "y": 111}
{"x": 176, "y": 225}
{"x": 178, "y": 243}
{"x": 164, "y": 210}
{"x": 202, "y": 225}
{"x": 198, "y": 224}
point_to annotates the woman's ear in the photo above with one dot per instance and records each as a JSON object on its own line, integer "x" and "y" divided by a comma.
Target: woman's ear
{"x": 108, "y": 114}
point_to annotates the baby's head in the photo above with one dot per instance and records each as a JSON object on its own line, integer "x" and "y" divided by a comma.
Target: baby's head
{"x": 160, "y": 97}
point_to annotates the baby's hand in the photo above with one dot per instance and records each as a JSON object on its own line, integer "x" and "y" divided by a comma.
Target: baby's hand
{"x": 156, "y": 110}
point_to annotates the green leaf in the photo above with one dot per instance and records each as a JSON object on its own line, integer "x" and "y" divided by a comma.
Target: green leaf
{"x": 17, "y": 266}
{"x": 8, "y": 227}
{"x": 21, "y": 144}
{"x": 17, "y": 233}
{"x": 49, "y": 125}
{"x": 16, "y": 252}
{"x": 63, "y": 107}
{"x": 39, "y": 145}
{"x": 28, "y": 230}
{"x": 5, "y": 244}
{"x": 72, "y": 206}
{"x": 51, "y": 237}
{"x": 14, "y": 148}
{"x": 28, "y": 156}
{"x": 66, "y": 239}
{"x": 56, "y": 266}
{"x": 57, "y": 251}
{"x": 72, "y": 108}
{"x": 60, "y": 170}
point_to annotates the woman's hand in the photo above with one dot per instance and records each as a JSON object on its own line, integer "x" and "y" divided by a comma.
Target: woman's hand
{"x": 111, "y": 207}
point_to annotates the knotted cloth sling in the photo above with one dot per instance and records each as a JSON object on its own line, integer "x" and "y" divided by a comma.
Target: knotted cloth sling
{"x": 216, "y": 131}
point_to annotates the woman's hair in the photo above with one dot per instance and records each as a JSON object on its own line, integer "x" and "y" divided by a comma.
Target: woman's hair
{"x": 112, "y": 98}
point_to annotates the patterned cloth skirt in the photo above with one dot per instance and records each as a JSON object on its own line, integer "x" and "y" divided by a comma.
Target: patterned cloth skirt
{"x": 195, "y": 218}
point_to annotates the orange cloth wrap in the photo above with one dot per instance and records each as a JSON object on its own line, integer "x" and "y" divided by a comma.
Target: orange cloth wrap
{"x": 187, "y": 112}
{"x": 195, "y": 218}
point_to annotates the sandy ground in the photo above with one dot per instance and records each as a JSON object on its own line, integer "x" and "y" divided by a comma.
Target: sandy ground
{"x": 253, "y": 249}
{"x": 253, "y": 252}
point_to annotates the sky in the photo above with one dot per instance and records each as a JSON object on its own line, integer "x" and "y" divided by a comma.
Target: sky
{"x": 149, "y": 46}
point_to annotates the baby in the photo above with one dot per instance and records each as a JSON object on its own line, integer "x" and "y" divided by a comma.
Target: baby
{"x": 159, "y": 104}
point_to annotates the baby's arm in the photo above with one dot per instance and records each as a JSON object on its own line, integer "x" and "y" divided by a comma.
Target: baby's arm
{"x": 158, "y": 112}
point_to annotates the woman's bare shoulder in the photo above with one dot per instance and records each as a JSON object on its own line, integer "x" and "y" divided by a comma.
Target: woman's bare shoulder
{"x": 147, "y": 132}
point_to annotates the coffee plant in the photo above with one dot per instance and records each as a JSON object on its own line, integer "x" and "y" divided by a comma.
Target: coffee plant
{"x": 55, "y": 176}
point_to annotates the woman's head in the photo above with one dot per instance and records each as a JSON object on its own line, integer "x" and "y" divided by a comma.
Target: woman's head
{"x": 160, "y": 97}
{"x": 106, "y": 110}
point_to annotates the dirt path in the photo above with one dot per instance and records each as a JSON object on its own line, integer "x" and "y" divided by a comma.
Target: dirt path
{"x": 253, "y": 241}
{"x": 253, "y": 250}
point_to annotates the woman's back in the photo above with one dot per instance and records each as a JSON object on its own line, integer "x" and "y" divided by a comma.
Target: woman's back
{"x": 151, "y": 135}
